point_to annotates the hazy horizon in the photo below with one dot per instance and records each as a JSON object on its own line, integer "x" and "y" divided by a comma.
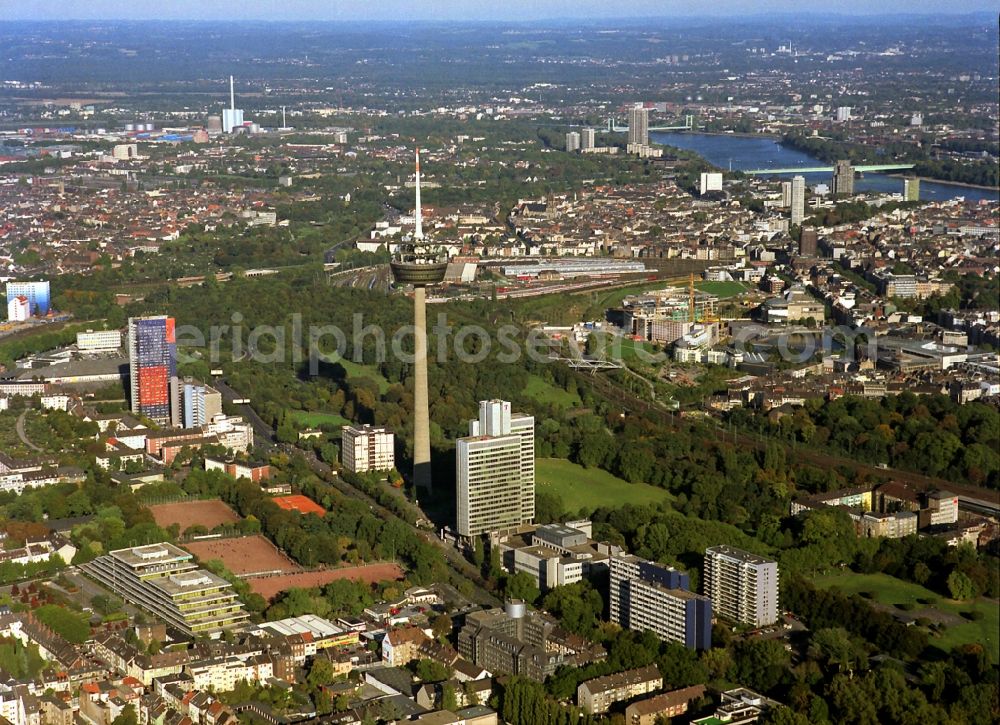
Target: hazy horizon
{"x": 513, "y": 11}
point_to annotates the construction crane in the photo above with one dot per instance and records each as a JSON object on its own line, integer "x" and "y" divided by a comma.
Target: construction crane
{"x": 692, "y": 316}
{"x": 691, "y": 299}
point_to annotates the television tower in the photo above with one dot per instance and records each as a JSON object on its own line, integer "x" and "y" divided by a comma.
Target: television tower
{"x": 419, "y": 264}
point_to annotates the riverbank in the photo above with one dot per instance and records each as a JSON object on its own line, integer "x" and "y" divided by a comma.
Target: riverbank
{"x": 947, "y": 183}
{"x": 727, "y": 134}
{"x": 740, "y": 153}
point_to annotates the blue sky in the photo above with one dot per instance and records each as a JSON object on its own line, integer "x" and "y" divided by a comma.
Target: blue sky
{"x": 503, "y": 10}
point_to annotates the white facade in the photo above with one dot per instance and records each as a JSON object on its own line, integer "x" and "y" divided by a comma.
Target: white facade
{"x": 231, "y": 118}
{"x": 710, "y": 182}
{"x": 743, "y": 587}
{"x": 18, "y": 309}
{"x": 55, "y": 402}
{"x": 98, "y": 340}
{"x": 587, "y": 139}
{"x": 233, "y": 432}
{"x": 798, "y": 200}
{"x": 125, "y": 151}
{"x": 572, "y": 141}
{"x": 843, "y": 114}
{"x": 495, "y": 470}
{"x": 222, "y": 675}
{"x": 638, "y": 126}
{"x": 367, "y": 448}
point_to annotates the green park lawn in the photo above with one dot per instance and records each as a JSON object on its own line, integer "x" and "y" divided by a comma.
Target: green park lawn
{"x": 315, "y": 419}
{"x": 591, "y": 488}
{"x": 355, "y": 370}
{"x": 542, "y": 391}
{"x": 722, "y": 290}
{"x": 629, "y": 349}
{"x": 919, "y": 601}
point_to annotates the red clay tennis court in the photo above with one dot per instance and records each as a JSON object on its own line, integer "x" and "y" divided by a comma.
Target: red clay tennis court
{"x": 243, "y": 555}
{"x": 302, "y": 504}
{"x": 209, "y": 514}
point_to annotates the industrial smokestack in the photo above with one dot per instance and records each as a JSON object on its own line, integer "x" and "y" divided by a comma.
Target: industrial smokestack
{"x": 232, "y": 95}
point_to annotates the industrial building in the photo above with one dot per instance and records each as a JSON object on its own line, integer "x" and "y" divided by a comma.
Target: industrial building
{"x": 232, "y": 117}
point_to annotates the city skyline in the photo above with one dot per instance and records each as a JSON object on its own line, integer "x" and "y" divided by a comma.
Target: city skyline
{"x": 705, "y": 423}
{"x": 452, "y": 10}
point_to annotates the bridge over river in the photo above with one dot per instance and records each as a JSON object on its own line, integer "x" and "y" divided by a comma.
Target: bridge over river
{"x": 820, "y": 169}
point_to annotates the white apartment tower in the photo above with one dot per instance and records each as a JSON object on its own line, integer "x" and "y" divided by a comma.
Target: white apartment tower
{"x": 743, "y": 587}
{"x": 572, "y": 141}
{"x": 495, "y": 470}
{"x": 587, "y": 136}
{"x": 367, "y": 448}
{"x": 798, "y": 200}
{"x": 638, "y": 125}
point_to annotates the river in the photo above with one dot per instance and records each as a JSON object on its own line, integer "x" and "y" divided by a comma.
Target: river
{"x": 757, "y": 152}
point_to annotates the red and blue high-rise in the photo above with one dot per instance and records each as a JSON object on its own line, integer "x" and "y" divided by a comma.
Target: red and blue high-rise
{"x": 153, "y": 368}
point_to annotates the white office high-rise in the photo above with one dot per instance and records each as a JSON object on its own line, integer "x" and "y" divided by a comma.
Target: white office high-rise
{"x": 495, "y": 470}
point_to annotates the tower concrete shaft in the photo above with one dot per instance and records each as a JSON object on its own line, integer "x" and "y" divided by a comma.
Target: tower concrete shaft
{"x": 421, "y": 408}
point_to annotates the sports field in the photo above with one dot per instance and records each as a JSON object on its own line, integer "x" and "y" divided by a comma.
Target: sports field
{"x": 722, "y": 290}
{"x": 920, "y": 602}
{"x": 243, "y": 555}
{"x": 271, "y": 586}
{"x": 190, "y": 513}
{"x": 591, "y": 488}
{"x": 300, "y": 503}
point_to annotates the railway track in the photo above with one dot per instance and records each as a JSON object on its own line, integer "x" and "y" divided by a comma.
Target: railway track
{"x": 264, "y": 436}
{"x": 970, "y": 497}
